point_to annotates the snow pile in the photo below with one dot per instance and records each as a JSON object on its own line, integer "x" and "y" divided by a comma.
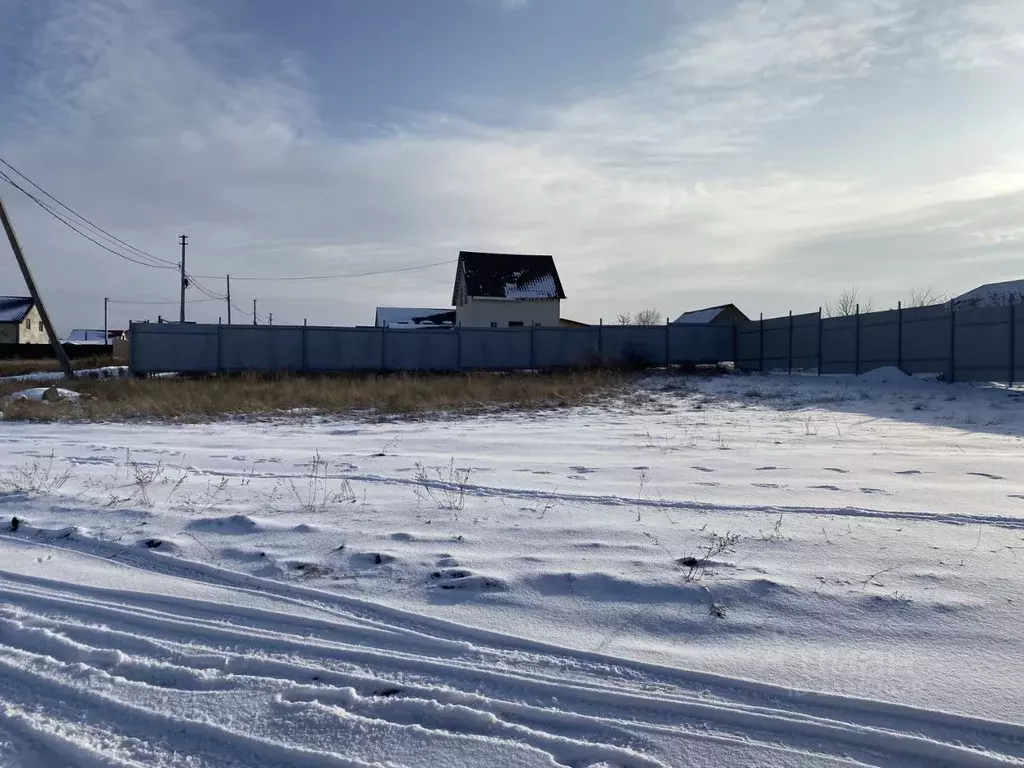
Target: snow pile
{"x": 892, "y": 377}
{"x": 106, "y": 372}
{"x": 44, "y": 394}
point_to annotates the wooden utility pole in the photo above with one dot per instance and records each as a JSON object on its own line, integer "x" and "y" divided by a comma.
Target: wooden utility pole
{"x": 58, "y": 350}
{"x": 229, "y": 299}
{"x": 254, "y": 311}
{"x": 183, "y": 239}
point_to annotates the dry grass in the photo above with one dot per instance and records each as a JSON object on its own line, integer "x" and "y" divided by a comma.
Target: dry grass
{"x": 217, "y": 397}
{"x": 21, "y": 367}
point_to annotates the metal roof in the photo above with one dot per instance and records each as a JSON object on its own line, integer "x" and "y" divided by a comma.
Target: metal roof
{"x": 14, "y": 308}
{"x": 412, "y": 316}
{"x": 508, "y": 276}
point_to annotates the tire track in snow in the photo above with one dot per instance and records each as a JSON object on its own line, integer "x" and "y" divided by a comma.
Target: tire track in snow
{"x": 467, "y": 686}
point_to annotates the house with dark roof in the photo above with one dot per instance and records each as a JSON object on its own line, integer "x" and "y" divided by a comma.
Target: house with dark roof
{"x": 723, "y": 314}
{"x": 20, "y": 322}
{"x": 506, "y": 290}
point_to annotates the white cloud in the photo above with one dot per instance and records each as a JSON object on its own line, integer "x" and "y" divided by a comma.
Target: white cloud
{"x": 662, "y": 189}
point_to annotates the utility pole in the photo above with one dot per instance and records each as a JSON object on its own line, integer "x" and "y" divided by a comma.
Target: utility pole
{"x": 183, "y": 239}
{"x": 229, "y": 299}
{"x": 106, "y": 333}
{"x": 270, "y": 321}
{"x": 254, "y": 311}
{"x": 12, "y": 238}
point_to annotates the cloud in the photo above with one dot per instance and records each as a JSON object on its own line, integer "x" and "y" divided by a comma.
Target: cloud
{"x": 666, "y": 188}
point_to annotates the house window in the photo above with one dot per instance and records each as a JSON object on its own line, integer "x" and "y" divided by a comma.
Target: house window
{"x": 515, "y": 324}
{"x": 28, "y": 324}
{"x": 494, "y": 325}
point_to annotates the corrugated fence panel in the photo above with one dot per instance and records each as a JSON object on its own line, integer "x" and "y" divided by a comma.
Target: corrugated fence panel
{"x": 839, "y": 345}
{"x": 982, "y": 344}
{"x": 748, "y": 346}
{"x": 495, "y": 348}
{"x": 805, "y": 341}
{"x": 412, "y": 349}
{"x": 879, "y": 340}
{"x": 159, "y": 348}
{"x": 331, "y": 350}
{"x": 700, "y": 343}
{"x": 926, "y": 340}
{"x": 566, "y": 347}
{"x": 626, "y": 344}
{"x": 263, "y": 348}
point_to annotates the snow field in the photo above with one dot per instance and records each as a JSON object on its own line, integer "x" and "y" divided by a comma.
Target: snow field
{"x": 723, "y": 571}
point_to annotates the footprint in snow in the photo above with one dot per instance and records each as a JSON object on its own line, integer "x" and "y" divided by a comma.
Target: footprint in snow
{"x": 837, "y": 470}
{"x": 987, "y": 475}
{"x": 874, "y": 491}
{"x": 582, "y": 470}
{"x": 707, "y": 484}
{"x": 702, "y": 469}
{"x": 909, "y": 472}
{"x": 765, "y": 469}
{"x": 825, "y": 488}
{"x": 1015, "y": 495}
{"x": 766, "y": 485}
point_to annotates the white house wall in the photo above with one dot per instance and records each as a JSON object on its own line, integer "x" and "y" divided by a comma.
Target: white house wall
{"x": 480, "y": 312}
{"x": 31, "y": 330}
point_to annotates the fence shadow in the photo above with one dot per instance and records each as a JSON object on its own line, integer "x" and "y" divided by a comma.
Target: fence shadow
{"x": 963, "y": 406}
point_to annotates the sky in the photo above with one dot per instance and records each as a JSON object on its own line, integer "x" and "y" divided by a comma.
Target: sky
{"x": 670, "y": 154}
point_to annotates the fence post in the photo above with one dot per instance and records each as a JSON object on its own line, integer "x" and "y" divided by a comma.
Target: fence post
{"x": 532, "y": 365}
{"x": 899, "y": 335}
{"x": 952, "y": 343}
{"x": 305, "y": 353}
{"x": 1013, "y": 343}
{"x": 791, "y": 342}
{"x": 821, "y": 332}
{"x": 383, "y": 346}
{"x": 218, "y": 347}
{"x": 856, "y": 346}
{"x": 760, "y": 365}
{"x": 735, "y": 345}
{"x": 458, "y": 347}
{"x": 600, "y": 340}
{"x": 667, "y": 321}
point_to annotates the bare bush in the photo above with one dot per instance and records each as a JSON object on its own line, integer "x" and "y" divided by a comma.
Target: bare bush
{"x": 444, "y": 487}
{"x": 37, "y": 477}
{"x": 697, "y": 565}
{"x": 319, "y": 493}
{"x": 848, "y": 303}
{"x": 924, "y": 297}
{"x": 649, "y": 316}
{"x": 624, "y": 318}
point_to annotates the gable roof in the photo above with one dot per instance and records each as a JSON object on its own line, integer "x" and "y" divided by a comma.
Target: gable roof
{"x": 507, "y": 276}
{"x": 703, "y": 316}
{"x": 993, "y": 295}
{"x": 14, "y": 308}
{"x": 410, "y": 316}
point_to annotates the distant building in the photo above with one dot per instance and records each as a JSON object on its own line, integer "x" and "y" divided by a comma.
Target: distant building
{"x": 724, "y": 314}
{"x": 992, "y": 295}
{"x": 565, "y": 322}
{"x": 92, "y": 336}
{"x": 20, "y": 322}
{"x": 506, "y": 290}
{"x": 406, "y": 317}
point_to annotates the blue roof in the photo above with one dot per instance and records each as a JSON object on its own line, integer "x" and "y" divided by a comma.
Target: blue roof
{"x": 14, "y": 308}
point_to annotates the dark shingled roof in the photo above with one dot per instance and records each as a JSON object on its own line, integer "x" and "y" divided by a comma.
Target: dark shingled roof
{"x": 508, "y": 276}
{"x": 14, "y": 308}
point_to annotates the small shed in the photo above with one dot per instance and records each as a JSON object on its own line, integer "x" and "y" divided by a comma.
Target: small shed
{"x": 724, "y": 314}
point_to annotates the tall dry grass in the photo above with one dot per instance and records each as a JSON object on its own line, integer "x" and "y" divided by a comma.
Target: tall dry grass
{"x": 235, "y": 396}
{"x": 16, "y": 367}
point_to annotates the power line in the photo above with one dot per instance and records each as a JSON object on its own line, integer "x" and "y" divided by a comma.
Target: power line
{"x": 104, "y": 233}
{"x": 156, "y": 303}
{"x": 337, "y": 276}
{"x": 151, "y": 261}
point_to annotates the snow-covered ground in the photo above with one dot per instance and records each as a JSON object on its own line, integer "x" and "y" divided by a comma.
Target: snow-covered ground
{"x": 743, "y": 570}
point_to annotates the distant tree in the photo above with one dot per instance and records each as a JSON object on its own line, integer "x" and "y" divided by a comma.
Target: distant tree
{"x": 847, "y": 304}
{"x": 648, "y": 317}
{"x": 924, "y": 297}
{"x": 624, "y": 318}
